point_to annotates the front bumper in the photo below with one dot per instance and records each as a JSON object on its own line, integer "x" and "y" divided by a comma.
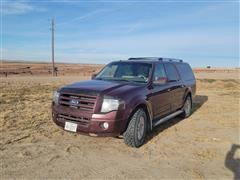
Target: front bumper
{"x": 94, "y": 121}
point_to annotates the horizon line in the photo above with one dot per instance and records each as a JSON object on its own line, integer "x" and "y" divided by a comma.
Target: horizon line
{"x": 64, "y": 62}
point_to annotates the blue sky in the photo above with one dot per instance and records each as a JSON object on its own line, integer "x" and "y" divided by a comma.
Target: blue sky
{"x": 200, "y": 32}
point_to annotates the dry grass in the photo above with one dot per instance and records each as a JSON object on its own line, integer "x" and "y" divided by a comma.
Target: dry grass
{"x": 43, "y": 69}
{"x": 32, "y": 146}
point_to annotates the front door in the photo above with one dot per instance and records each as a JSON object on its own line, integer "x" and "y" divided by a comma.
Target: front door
{"x": 160, "y": 95}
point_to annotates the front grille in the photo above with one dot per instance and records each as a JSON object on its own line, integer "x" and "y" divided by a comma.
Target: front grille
{"x": 83, "y": 121}
{"x": 78, "y": 101}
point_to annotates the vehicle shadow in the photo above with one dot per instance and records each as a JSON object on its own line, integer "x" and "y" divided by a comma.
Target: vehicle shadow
{"x": 233, "y": 163}
{"x": 198, "y": 101}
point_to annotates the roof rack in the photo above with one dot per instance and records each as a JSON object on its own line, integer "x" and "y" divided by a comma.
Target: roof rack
{"x": 156, "y": 58}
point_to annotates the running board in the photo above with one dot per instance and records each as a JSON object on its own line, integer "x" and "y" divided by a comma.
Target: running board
{"x": 170, "y": 116}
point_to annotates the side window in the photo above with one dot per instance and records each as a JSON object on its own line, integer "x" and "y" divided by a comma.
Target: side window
{"x": 171, "y": 72}
{"x": 185, "y": 72}
{"x": 159, "y": 76}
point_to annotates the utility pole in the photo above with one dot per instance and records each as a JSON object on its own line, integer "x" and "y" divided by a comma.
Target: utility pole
{"x": 53, "y": 65}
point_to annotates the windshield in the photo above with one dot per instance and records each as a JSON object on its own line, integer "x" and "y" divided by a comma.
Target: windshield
{"x": 126, "y": 71}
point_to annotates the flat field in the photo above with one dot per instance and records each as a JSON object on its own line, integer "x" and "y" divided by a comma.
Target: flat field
{"x": 203, "y": 146}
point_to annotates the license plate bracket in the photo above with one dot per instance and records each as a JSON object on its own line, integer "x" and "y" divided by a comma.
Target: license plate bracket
{"x": 69, "y": 126}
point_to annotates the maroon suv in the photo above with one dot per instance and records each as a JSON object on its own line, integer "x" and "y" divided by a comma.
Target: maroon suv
{"x": 127, "y": 98}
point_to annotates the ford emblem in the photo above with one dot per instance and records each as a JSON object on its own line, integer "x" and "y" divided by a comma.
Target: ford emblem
{"x": 74, "y": 102}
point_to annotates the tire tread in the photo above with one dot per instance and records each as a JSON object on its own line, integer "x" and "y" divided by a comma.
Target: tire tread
{"x": 129, "y": 134}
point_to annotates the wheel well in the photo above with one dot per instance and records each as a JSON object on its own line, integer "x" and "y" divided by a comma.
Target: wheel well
{"x": 190, "y": 95}
{"x": 144, "y": 107}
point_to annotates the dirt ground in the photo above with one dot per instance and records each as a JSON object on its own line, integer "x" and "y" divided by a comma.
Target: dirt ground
{"x": 203, "y": 146}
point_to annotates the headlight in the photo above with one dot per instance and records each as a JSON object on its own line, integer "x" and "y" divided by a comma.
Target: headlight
{"x": 56, "y": 97}
{"x": 110, "y": 105}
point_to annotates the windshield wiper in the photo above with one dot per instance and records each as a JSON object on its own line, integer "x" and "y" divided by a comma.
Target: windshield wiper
{"x": 139, "y": 81}
{"x": 112, "y": 79}
{"x": 121, "y": 80}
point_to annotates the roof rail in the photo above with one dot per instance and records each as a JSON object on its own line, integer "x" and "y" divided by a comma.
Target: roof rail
{"x": 156, "y": 58}
{"x": 144, "y": 58}
{"x": 170, "y": 59}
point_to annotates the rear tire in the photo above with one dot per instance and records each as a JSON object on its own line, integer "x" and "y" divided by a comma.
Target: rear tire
{"x": 135, "y": 134}
{"x": 187, "y": 107}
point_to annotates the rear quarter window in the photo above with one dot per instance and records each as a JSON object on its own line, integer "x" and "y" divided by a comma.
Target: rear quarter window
{"x": 171, "y": 72}
{"x": 185, "y": 71}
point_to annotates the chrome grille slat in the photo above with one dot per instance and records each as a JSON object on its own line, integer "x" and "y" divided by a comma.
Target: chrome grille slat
{"x": 79, "y": 105}
{"x": 82, "y": 121}
{"x": 85, "y": 102}
{"x": 74, "y": 118}
{"x": 81, "y": 99}
{"x": 80, "y": 95}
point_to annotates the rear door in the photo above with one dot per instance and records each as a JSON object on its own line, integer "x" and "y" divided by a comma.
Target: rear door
{"x": 176, "y": 87}
{"x": 160, "y": 97}
{"x": 187, "y": 76}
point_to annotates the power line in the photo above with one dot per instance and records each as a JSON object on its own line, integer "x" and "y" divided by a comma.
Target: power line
{"x": 53, "y": 65}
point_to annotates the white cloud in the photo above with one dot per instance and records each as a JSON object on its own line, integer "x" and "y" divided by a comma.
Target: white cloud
{"x": 14, "y": 7}
{"x": 86, "y": 16}
{"x": 198, "y": 47}
{"x": 155, "y": 42}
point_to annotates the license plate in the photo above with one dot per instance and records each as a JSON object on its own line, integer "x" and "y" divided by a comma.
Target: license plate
{"x": 69, "y": 126}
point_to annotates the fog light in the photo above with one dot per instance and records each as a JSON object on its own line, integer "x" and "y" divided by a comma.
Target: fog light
{"x": 105, "y": 125}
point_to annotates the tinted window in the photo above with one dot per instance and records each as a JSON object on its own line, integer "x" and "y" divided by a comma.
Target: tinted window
{"x": 159, "y": 74}
{"x": 171, "y": 72}
{"x": 109, "y": 72}
{"x": 126, "y": 71}
{"x": 185, "y": 71}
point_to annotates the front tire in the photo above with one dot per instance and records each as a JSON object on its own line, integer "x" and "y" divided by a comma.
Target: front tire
{"x": 187, "y": 107}
{"x": 135, "y": 134}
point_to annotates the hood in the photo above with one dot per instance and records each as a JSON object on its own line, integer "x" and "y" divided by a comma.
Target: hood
{"x": 96, "y": 87}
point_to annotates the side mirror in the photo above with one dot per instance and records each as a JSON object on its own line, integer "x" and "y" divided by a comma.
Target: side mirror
{"x": 161, "y": 80}
{"x": 93, "y": 76}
